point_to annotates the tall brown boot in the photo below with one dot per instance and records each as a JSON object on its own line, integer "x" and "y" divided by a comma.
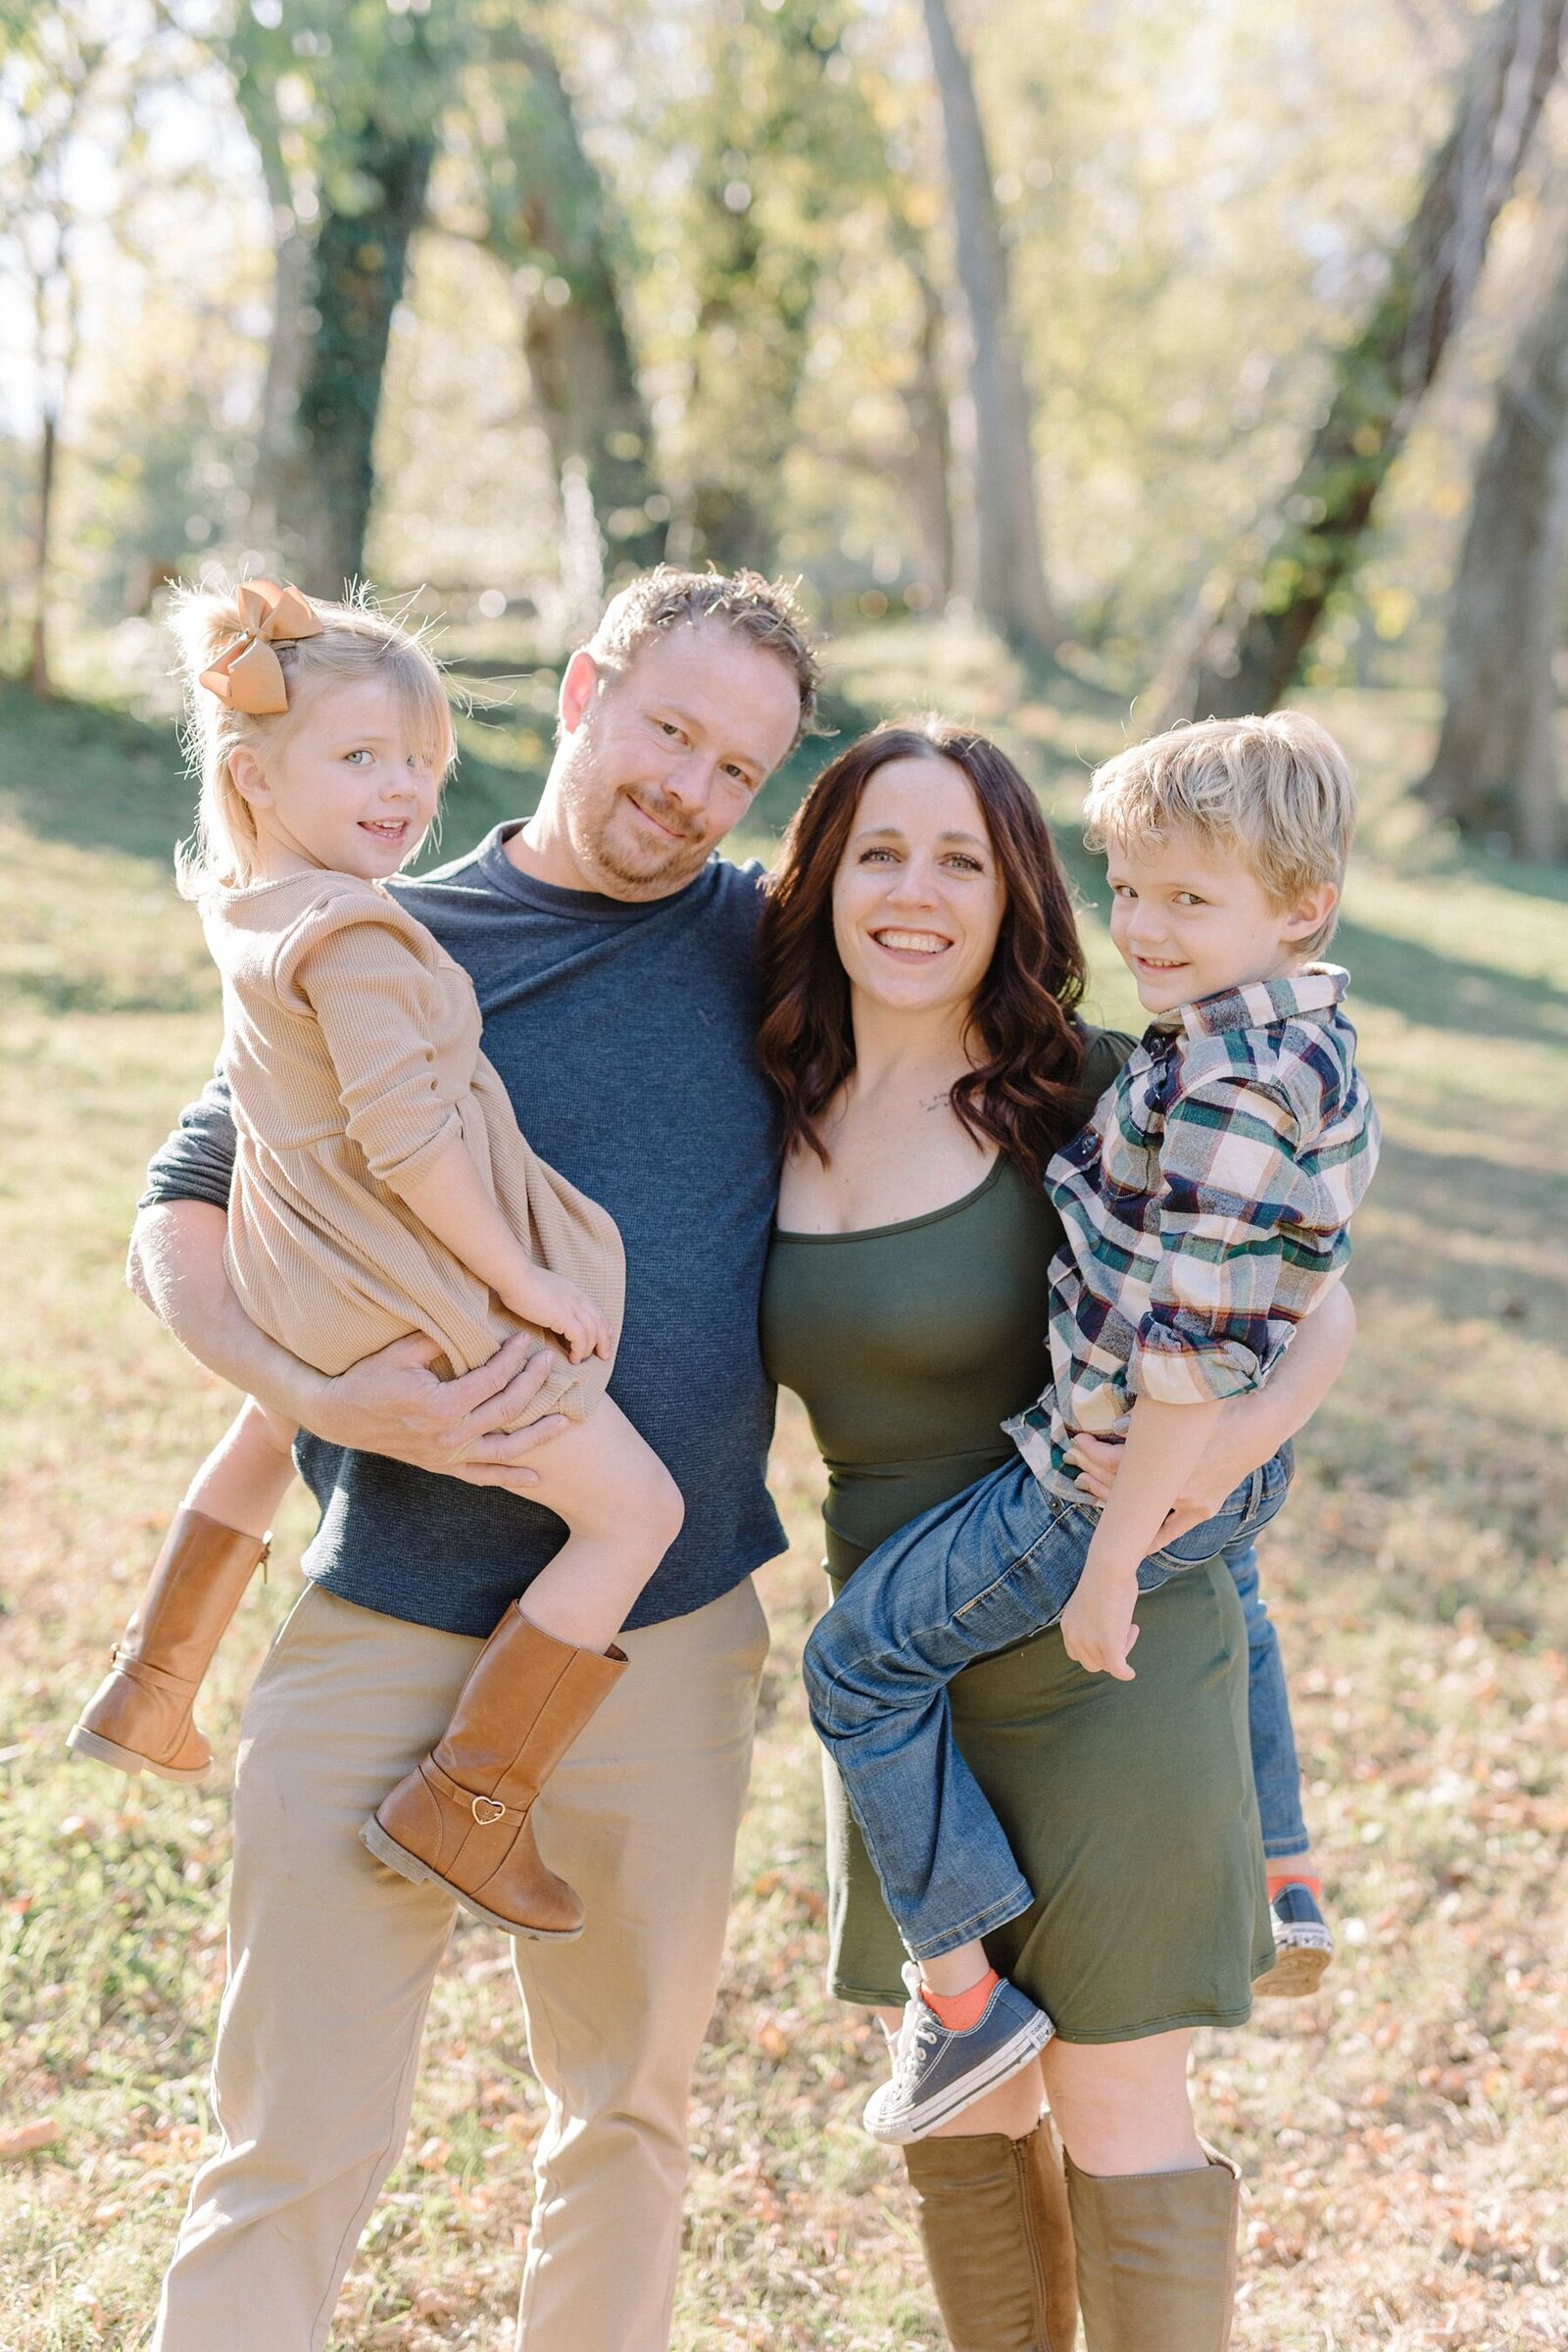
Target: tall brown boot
{"x": 998, "y": 2239}
{"x": 1156, "y": 2257}
{"x": 462, "y": 1817}
{"x": 139, "y": 1718}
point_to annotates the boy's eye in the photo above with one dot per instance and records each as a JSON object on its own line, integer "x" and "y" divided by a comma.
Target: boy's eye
{"x": 358, "y": 754}
{"x": 1189, "y": 898}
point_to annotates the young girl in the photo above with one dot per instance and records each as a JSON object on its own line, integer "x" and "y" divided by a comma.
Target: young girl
{"x": 381, "y": 1185}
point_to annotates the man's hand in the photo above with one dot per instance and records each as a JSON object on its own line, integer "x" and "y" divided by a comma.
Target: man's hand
{"x": 1096, "y": 1624}
{"x": 392, "y": 1403}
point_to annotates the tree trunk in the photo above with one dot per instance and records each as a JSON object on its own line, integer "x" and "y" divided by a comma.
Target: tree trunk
{"x": 288, "y": 345}
{"x": 357, "y": 266}
{"x": 552, "y": 215}
{"x": 1495, "y": 769}
{"x": 1250, "y": 653}
{"x": 927, "y": 482}
{"x": 38, "y": 659}
{"x": 1013, "y": 590}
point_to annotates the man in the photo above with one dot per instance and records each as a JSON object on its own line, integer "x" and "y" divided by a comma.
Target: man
{"x": 613, "y": 961}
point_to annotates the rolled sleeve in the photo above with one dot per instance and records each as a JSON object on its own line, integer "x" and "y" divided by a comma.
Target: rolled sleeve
{"x": 197, "y": 1162}
{"x": 368, "y": 991}
{"x": 1230, "y": 1192}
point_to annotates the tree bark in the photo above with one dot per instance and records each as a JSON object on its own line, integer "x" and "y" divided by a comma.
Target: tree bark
{"x": 1012, "y": 590}
{"x": 550, "y": 214}
{"x": 38, "y": 676}
{"x": 1250, "y": 653}
{"x": 357, "y": 266}
{"x": 1495, "y": 770}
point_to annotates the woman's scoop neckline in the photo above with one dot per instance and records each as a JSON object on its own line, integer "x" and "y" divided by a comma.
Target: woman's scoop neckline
{"x": 929, "y": 1216}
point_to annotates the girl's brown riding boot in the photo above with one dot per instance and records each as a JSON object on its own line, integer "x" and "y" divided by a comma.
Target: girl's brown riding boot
{"x": 139, "y": 1717}
{"x": 1156, "y": 2257}
{"x": 462, "y": 1817}
{"x": 997, "y": 2240}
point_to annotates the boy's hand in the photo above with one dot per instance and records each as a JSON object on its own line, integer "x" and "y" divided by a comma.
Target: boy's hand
{"x": 1213, "y": 1478}
{"x": 1097, "y": 1626}
{"x": 559, "y": 1305}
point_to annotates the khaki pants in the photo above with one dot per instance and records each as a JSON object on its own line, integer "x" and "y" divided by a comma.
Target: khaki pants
{"x": 331, "y": 1960}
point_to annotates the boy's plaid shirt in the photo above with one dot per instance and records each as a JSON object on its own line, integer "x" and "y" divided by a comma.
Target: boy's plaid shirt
{"x": 1206, "y": 1207}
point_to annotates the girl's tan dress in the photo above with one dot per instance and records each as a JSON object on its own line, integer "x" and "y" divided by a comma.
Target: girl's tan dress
{"x": 351, "y": 1044}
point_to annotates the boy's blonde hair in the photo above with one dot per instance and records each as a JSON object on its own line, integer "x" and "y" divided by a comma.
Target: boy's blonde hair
{"x": 1274, "y": 792}
{"x": 357, "y": 642}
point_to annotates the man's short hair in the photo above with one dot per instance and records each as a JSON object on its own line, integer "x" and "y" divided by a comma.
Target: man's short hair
{"x": 766, "y": 611}
{"x": 1274, "y": 792}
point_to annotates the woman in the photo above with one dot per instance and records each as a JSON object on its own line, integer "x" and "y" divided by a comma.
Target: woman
{"x": 922, "y": 974}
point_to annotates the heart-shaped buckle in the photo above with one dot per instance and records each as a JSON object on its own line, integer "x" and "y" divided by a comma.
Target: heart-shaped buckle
{"x": 486, "y": 1810}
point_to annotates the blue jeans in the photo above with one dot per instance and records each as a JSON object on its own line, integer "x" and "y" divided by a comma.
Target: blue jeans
{"x": 1268, "y": 1714}
{"x": 977, "y": 1573}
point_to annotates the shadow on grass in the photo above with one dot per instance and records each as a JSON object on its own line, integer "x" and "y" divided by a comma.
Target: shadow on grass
{"x": 88, "y": 773}
{"x": 1450, "y": 992}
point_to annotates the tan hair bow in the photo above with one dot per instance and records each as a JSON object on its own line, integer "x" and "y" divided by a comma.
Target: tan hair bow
{"x": 248, "y": 674}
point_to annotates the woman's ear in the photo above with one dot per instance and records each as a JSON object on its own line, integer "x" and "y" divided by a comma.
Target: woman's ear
{"x": 1310, "y": 910}
{"x": 248, "y": 777}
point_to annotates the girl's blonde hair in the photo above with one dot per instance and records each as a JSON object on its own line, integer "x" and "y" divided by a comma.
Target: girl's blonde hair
{"x": 1274, "y": 792}
{"x": 357, "y": 642}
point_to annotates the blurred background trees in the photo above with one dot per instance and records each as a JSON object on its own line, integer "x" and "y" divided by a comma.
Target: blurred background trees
{"x": 1197, "y": 353}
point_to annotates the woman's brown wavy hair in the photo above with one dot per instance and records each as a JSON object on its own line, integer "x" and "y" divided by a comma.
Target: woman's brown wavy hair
{"x": 1023, "y": 1093}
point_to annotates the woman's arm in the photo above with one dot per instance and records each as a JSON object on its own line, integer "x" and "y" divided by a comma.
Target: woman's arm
{"x": 391, "y": 1403}
{"x": 1250, "y": 1428}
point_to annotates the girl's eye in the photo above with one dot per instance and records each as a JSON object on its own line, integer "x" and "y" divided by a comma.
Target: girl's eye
{"x": 360, "y": 755}
{"x": 1189, "y": 898}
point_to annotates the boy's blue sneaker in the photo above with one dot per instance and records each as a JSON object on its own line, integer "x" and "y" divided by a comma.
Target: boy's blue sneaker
{"x": 1303, "y": 1945}
{"x": 937, "y": 2073}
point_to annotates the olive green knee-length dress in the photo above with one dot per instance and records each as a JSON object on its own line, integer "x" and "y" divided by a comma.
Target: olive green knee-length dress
{"x": 1129, "y": 1805}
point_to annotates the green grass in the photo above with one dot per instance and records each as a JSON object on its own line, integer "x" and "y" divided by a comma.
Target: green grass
{"x": 1405, "y": 2136}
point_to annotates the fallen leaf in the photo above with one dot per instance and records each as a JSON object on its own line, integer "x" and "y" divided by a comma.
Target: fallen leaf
{"x": 26, "y": 2139}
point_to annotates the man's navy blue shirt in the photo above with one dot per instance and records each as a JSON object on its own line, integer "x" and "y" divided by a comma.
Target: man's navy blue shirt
{"x": 625, "y": 1036}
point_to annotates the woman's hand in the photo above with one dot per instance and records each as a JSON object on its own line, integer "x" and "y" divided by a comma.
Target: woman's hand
{"x": 559, "y": 1305}
{"x": 1227, "y": 1459}
{"x": 1097, "y": 1626}
{"x": 1249, "y": 1430}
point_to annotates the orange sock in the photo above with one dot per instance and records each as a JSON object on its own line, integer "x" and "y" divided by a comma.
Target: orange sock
{"x": 959, "y": 2011}
{"x": 1293, "y": 1878}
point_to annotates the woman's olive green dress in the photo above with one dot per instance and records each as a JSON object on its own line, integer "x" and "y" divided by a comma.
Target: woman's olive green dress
{"x": 1129, "y": 1805}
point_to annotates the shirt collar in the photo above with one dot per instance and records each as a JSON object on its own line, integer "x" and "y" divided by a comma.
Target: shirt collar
{"x": 1317, "y": 989}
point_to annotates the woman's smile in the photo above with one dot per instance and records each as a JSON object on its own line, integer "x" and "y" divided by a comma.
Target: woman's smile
{"x": 910, "y": 943}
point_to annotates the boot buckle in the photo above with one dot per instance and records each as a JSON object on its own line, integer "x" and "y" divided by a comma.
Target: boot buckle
{"x": 487, "y": 1810}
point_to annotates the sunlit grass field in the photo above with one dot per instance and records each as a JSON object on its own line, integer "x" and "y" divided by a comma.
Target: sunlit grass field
{"x": 1405, "y": 2136}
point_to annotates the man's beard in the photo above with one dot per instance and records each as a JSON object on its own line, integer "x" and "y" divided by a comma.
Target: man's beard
{"x": 639, "y": 870}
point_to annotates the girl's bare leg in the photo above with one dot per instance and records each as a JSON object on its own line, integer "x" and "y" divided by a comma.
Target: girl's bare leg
{"x": 623, "y": 1511}
{"x": 248, "y": 1472}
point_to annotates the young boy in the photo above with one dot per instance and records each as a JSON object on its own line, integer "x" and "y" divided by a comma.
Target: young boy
{"x": 1205, "y": 1210}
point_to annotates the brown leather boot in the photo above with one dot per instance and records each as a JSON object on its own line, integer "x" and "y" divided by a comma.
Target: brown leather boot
{"x": 998, "y": 2239}
{"x": 139, "y": 1718}
{"x": 462, "y": 1817}
{"x": 1156, "y": 2257}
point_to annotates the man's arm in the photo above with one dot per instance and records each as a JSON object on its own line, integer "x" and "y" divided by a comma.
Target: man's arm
{"x": 1252, "y": 1428}
{"x": 390, "y": 1404}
